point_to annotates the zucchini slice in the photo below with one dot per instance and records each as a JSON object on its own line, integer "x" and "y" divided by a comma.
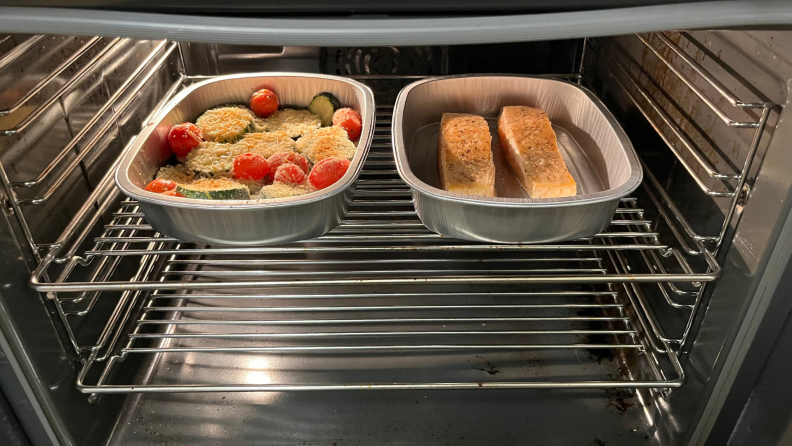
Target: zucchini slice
{"x": 225, "y": 124}
{"x": 294, "y": 122}
{"x": 214, "y": 189}
{"x": 324, "y": 105}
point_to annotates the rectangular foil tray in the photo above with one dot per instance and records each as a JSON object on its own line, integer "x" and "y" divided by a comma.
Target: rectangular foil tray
{"x": 244, "y": 222}
{"x": 596, "y": 150}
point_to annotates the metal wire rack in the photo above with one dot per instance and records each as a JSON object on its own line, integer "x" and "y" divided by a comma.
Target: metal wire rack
{"x": 380, "y": 285}
{"x": 379, "y": 289}
{"x": 731, "y": 184}
{"x": 313, "y": 299}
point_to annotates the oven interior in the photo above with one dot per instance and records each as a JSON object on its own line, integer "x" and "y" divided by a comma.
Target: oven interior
{"x": 360, "y": 333}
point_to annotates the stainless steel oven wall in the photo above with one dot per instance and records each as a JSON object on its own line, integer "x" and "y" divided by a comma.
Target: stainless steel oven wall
{"x": 69, "y": 106}
{"x": 217, "y": 59}
{"x": 754, "y": 66}
{"x": 681, "y": 415}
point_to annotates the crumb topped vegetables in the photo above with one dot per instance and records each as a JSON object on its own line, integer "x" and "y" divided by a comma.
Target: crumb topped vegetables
{"x": 233, "y": 152}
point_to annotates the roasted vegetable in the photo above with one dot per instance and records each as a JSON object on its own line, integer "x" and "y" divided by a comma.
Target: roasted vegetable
{"x": 249, "y": 166}
{"x": 349, "y": 120}
{"x": 294, "y": 122}
{"x": 287, "y": 157}
{"x": 215, "y": 189}
{"x": 225, "y": 124}
{"x": 159, "y": 186}
{"x": 326, "y": 172}
{"x": 264, "y": 103}
{"x": 184, "y": 137}
{"x": 290, "y": 174}
{"x": 324, "y": 105}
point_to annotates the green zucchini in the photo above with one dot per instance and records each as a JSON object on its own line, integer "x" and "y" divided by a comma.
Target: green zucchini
{"x": 324, "y": 105}
{"x": 225, "y": 124}
{"x": 214, "y": 189}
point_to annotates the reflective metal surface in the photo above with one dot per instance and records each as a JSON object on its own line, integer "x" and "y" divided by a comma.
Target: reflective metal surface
{"x": 751, "y": 67}
{"x": 134, "y": 301}
{"x": 297, "y": 316}
{"x": 731, "y": 183}
{"x": 598, "y": 154}
{"x": 434, "y": 418}
{"x": 244, "y": 222}
{"x": 325, "y": 297}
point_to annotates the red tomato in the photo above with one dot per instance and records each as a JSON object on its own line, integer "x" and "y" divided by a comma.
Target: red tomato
{"x": 159, "y": 186}
{"x": 289, "y": 173}
{"x": 287, "y": 157}
{"x": 264, "y": 103}
{"x": 184, "y": 137}
{"x": 349, "y": 120}
{"x": 249, "y": 166}
{"x": 172, "y": 193}
{"x": 328, "y": 171}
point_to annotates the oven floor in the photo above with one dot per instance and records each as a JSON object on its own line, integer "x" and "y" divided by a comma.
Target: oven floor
{"x": 503, "y": 417}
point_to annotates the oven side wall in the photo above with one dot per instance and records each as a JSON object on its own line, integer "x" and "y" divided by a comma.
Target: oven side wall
{"x": 37, "y": 371}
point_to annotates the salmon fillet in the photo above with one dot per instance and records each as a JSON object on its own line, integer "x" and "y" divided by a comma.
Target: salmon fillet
{"x": 464, "y": 155}
{"x": 529, "y": 143}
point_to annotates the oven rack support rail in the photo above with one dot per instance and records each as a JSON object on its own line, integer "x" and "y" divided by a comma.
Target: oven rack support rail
{"x": 87, "y": 141}
{"x": 690, "y": 157}
{"x": 734, "y": 184}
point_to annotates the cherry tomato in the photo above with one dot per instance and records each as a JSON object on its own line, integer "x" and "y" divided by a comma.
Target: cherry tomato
{"x": 159, "y": 186}
{"x": 287, "y": 157}
{"x": 289, "y": 173}
{"x": 249, "y": 166}
{"x": 328, "y": 171}
{"x": 172, "y": 193}
{"x": 349, "y": 120}
{"x": 184, "y": 137}
{"x": 264, "y": 103}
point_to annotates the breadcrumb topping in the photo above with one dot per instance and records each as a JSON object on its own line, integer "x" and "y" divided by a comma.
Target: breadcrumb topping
{"x": 327, "y": 142}
{"x": 225, "y": 124}
{"x": 214, "y": 157}
{"x": 283, "y": 190}
{"x": 178, "y": 173}
{"x": 268, "y": 143}
{"x": 294, "y": 122}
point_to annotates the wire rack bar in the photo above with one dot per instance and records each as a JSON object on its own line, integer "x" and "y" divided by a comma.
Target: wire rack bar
{"x": 79, "y": 75}
{"x": 101, "y": 132}
{"x": 377, "y": 308}
{"x": 49, "y": 77}
{"x": 673, "y": 126}
{"x": 460, "y": 295}
{"x": 111, "y": 102}
{"x": 19, "y": 50}
{"x": 374, "y": 334}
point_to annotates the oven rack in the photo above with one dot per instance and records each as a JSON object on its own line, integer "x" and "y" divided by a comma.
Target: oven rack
{"x": 381, "y": 220}
{"x": 380, "y": 254}
{"x": 278, "y": 334}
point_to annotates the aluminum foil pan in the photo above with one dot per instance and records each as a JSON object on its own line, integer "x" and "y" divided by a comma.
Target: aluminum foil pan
{"x": 243, "y": 222}
{"x": 595, "y": 148}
